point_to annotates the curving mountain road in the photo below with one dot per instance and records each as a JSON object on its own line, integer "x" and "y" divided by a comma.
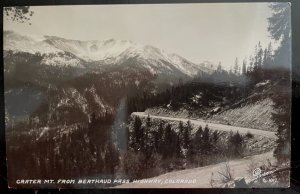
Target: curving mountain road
{"x": 206, "y": 176}
{"x": 213, "y": 126}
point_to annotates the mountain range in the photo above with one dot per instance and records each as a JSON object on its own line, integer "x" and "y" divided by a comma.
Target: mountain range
{"x": 98, "y": 54}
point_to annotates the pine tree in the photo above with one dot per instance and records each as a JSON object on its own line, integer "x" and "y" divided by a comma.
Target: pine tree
{"x": 230, "y": 70}
{"x": 178, "y": 150}
{"x": 206, "y": 144}
{"x": 167, "y": 142}
{"x": 235, "y": 143}
{"x": 215, "y": 136}
{"x": 219, "y": 68}
{"x": 251, "y": 64}
{"x": 111, "y": 158}
{"x": 198, "y": 139}
{"x": 269, "y": 56}
{"x": 148, "y": 122}
{"x": 181, "y": 133}
{"x": 147, "y": 139}
{"x": 280, "y": 29}
{"x": 259, "y": 55}
{"x": 190, "y": 153}
{"x": 265, "y": 56}
{"x": 282, "y": 103}
{"x": 244, "y": 67}
{"x": 236, "y": 67}
{"x": 187, "y": 134}
{"x": 158, "y": 138}
{"x": 137, "y": 134}
{"x": 255, "y": 58}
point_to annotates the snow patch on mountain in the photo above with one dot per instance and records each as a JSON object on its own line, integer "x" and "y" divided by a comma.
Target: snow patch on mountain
{"x": 19, "y": 43}
{"x": 97, "y": 98}
{"x": 59, "y": 59}
{"x": 90, "y": 50}
{"x": 72, "y": 97}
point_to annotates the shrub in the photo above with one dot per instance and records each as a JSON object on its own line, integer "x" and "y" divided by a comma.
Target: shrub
{"x": 235, "y": 145}
{"x": 137, "y": 165}
{"x": 249, "y": 135}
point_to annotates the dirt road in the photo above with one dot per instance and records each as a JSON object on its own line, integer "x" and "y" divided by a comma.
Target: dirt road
{"x": 213, "y": 126}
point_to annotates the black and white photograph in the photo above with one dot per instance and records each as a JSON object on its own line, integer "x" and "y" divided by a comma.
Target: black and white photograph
{"x": 194, "y": 95}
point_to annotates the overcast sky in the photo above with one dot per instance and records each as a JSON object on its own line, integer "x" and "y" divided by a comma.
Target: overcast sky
{"x": 198, "y": 32}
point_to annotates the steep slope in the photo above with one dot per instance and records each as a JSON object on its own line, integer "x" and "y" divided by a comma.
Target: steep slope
{"x": 257, "y": 114}
{"x": 253, "y": 111}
